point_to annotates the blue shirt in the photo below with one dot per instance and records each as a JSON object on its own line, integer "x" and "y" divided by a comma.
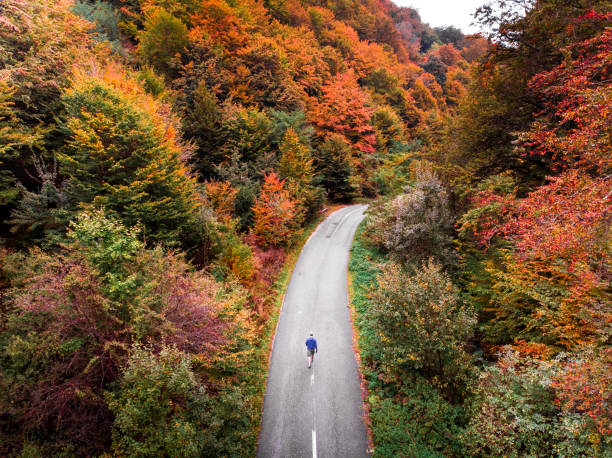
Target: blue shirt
{"x": 311, "y": 343}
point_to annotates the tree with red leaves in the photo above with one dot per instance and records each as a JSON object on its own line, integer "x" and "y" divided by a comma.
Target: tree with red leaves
{"x": 584, "y": 389}
{"x": 561, "y": 230}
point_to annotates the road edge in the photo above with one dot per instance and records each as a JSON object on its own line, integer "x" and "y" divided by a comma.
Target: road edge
{"x": 280, "y": 286}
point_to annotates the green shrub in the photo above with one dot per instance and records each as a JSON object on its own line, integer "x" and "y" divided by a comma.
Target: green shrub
{"x": 151, "y": 81}
{"x": 162, "y": 41}
{"x": 421, "y": 324}
{"x": 161, "y": 409}
{"x": 203, "y": 123}
{"x": 513, "y": 412}
{"x": 388, "y": 126}
{"x": 296, "y": 166}
{"x": 410, "y": 415}
{"x": 334, "y": 162}
{"x": 416, "y": 422}
{"x": 122, "y": 155}
{"x": 250, "y": 133}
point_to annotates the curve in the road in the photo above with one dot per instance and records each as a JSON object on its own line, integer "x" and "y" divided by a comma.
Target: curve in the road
{"x": 316, "y": 412}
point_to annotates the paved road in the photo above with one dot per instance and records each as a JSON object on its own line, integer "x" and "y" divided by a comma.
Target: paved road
{"x": 318, "y": 411}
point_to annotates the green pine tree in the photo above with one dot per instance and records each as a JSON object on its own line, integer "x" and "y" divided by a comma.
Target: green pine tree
{"x": 203, "y": 122}
{"x": 14, "y": 139}
{"x": 120, "y": 157}
{"x": 334, "y": 165}
{"x": 296, "y": 166}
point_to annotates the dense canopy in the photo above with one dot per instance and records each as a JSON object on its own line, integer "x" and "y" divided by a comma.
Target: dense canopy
{"x": 162, "y": 161}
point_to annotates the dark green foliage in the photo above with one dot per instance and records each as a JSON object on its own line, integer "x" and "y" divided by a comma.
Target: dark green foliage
{"x": 333, "y": 161}
{"x": 249, "y": 154}
{"x": 364, "y": 266}
{"x": 151, "y": 81}
{"x": 117, "y": 158}
{"x": 233, "y": 259}
{"x": 417, "y": 422}
{"x": 237, "y": 173}
{"x": 476, "y": 270}
{"x": 382, "y": 81}
{"x": 395, "y": 172}
{"x": 204, "y": 123}
{"x": 41, "y": 216}
{"x": 389, "y": 129}
{"x": 428, "y": 38}
{"x": 161, "y": 409}
{"x": 250, "y": 135}
{"x": 475, "y": 277}
{"x": 295, "y": 120}
{"x": 437, "y": 68}
{"x": 450, "y": 34}
{"x": 162, "y": 41}
{"x": 15, "y": 141}
{"x": 278, "y": 10}
{"x": 410, "y": 416}
{"x": 296, "y": 166}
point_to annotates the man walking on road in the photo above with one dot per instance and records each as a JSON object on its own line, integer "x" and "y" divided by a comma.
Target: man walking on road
{"x": 311, "y": 348}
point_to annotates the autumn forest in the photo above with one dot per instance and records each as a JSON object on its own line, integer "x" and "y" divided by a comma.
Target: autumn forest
{"x": 162, "y": 163}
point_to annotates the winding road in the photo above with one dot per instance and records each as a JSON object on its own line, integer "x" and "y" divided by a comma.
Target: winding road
{"x": 316, "y": 412}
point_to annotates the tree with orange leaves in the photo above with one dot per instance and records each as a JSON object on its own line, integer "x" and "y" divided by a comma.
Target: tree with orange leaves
{"x": 222, "y": 197}
{"x": 219, "y": 21}
{"x": 274, "y": 213}
{"x": 344, "y": 109}
{"x": 449, "y": 54}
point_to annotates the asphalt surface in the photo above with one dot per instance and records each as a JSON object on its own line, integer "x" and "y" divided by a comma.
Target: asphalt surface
{"x": 316, "y": 412}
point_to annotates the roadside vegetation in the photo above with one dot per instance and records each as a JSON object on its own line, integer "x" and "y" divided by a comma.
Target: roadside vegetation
{"x": 161, "y": 161}
{"x": 482, "y": 288}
